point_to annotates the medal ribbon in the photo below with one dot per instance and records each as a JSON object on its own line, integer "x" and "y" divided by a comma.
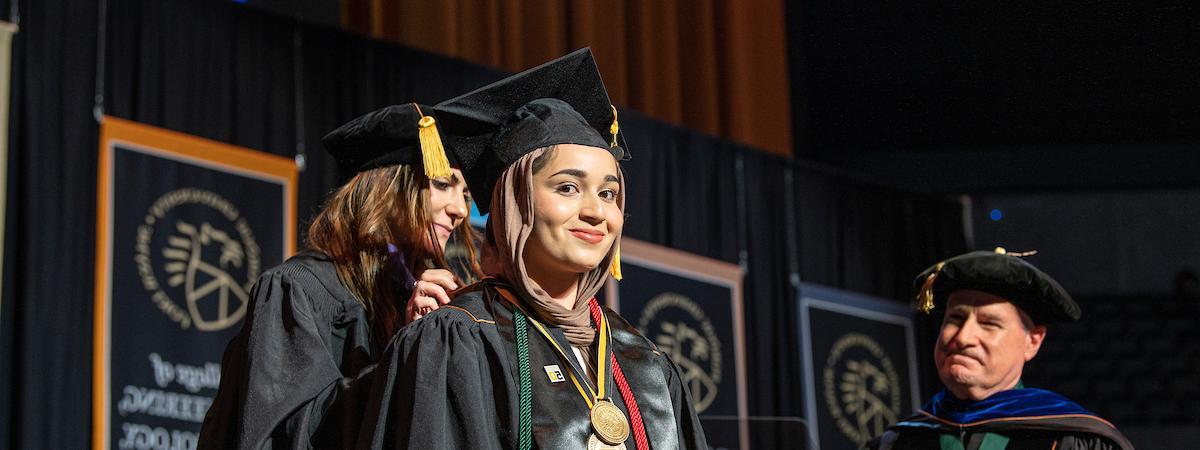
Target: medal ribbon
{"x": 635, "y": 414}
{"x": 590, "y": 395}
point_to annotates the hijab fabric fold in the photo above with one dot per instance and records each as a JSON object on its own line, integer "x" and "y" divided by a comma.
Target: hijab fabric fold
{"x": 509, "y": 226}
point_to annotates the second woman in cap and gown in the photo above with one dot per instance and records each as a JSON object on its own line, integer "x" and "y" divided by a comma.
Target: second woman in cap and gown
{"x": 374, "y": 261}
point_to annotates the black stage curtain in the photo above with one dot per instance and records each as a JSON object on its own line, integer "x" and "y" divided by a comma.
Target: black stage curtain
{"x": 226, "y": 72}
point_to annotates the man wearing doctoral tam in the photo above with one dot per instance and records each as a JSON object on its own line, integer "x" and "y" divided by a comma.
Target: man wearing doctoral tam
{"x": 996, "y": 309}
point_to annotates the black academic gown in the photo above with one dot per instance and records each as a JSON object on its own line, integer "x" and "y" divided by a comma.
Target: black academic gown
{"x": 450, "y": 381}
{"x": 1067, "y": 432}
{"x": 304, "y": 339}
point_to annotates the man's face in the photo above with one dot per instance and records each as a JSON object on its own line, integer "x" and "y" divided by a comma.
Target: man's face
{"x": 983, "y": 345}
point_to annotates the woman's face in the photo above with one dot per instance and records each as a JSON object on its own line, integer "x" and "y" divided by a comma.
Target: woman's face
{"x": 449, "y": 205}
{"x": 576, "y": 215}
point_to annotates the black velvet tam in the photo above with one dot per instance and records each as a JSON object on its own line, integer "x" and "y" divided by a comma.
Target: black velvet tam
{"x": 1006, "y": 276}
{"x": 560, "y": 102}
{"x": 388, "y": 136}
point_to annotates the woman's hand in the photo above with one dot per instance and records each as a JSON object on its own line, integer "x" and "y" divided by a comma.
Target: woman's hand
{"x": 430, "y": 292}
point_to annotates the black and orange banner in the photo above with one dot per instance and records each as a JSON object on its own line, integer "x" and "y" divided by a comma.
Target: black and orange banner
{"x": 860, "y": 365}
{"x": 184, "y": 227}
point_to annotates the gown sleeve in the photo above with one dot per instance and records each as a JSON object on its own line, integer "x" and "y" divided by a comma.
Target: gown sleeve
{"x": 691, "y": 434}
{"x": 276, "y": 373}
{"x": 433, "y": 388}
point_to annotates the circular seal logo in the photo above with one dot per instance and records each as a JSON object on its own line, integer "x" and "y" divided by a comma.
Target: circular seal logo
{"x": 862, "y": 389}
{"x": 204, "y": 249}
{"x": 681, "y": 329}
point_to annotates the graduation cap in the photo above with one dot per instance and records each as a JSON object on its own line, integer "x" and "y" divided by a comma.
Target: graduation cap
{"x": 559, "y": 102}
{"x": 1000, "y": 273}
{"x": 397, "y": 134}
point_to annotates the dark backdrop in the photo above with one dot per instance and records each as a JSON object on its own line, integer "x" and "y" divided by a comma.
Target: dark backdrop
{"x": 967, "y": 97}
{"x": 226, "y": 72}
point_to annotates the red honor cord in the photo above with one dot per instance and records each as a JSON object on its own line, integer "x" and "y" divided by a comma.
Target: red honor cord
{"x": 635, "y": 415}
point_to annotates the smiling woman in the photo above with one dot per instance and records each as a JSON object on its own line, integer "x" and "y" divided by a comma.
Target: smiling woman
{"x": 528, "y": 357}
{"x": 577, "y": 217}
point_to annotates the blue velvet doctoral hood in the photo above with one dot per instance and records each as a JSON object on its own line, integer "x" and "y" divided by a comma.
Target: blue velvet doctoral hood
{"x": 1010, "y": 413}
{"x": 1027, "y": 402}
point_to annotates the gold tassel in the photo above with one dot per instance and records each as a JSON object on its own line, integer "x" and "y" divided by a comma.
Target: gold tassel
{"x": 614, "y": 129}
{"x": 925, "y": 297}
{"x": 615, "y": 267}
{"x": 1002, "y": 251}
{"x": 433, "y": 154}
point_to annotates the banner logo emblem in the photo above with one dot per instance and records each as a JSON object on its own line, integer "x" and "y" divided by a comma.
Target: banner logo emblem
{"x": 862, "y": 388}
{"x": 686, "y": 334}
{"x": 206, "y": 251}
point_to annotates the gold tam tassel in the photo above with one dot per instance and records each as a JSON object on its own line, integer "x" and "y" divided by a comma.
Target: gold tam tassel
{"x": 614, "y": 129}
{"x": 925, "y": 297}
{"x": 433, "y": 154}
{"x": 1002, "y": 251}
{"x": 615, "y": 267}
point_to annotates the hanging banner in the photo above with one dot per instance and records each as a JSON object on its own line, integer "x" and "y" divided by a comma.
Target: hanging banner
{"x": 691, "y": 308}
{"x": 860, "y": 367}
{"x": 184, "y": 226}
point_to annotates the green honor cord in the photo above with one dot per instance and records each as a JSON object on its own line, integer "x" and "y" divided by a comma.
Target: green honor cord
{"x": 525, "y": 425}
{"x": 991, "y": 441}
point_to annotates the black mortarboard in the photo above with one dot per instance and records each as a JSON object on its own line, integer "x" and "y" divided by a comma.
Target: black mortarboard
{"x": 559, "y": 102}
{"x": 1002, "y": 274}
{"x": 397, "y": 134}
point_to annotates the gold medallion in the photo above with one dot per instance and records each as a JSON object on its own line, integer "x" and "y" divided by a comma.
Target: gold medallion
{"x": 594, "y": 443}
{"x": 609, "y": 423}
